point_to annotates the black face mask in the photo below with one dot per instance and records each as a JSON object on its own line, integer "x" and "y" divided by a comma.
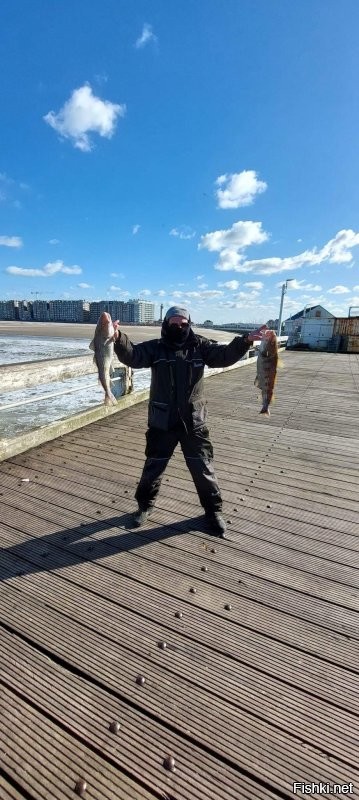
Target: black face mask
{"x": 177, "y": 335}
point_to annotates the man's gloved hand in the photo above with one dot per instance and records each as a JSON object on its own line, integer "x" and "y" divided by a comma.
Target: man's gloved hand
{"x": 257, "y": 335}
{"x": 117, "y": 331}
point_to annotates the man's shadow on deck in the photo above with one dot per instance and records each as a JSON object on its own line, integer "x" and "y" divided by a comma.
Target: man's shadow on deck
{"x": 63, "y": 548}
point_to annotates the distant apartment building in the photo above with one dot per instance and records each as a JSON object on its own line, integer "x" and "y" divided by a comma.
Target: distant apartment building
{"x": 130, "y": 312}
{"x": 146, "y": 312}
{"x": 66, "y": 310}
{"x": 25, "y": 311}
{"x": 41, "y": 310}
{"x": 7, "y": 309}
{"x": 113, "y": 307}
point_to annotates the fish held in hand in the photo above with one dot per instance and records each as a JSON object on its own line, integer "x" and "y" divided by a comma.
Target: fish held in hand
{"x": 103, "y": 347}
{"x": 267, "y": 364}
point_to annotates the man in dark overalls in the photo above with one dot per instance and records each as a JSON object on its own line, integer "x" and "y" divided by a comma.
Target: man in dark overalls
{"x": 177, "y": 411}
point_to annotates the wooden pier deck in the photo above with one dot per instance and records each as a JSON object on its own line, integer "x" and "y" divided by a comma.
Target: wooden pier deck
{"x": 257, "y": 684}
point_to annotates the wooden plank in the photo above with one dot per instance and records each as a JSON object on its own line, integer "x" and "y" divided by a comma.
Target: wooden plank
{"x": 343, "y": 549}
{"x": 86, "y": 711}
{"x": 187, "y": 555}
{"x": 278, "y": 671}
{"x": 74, "y": 498}
{"x": 53, "y": 769}
{"x": 172, "y": 699}
{"x": 306, "y": 636}
{"x": 328, "y": 491}
{"x": 298, "y": 503}
{"x": 89, "y": 477}
{"x": 251, "y": 565}
{"x": 224, "y": 638}
{"x": 8, "y": 791}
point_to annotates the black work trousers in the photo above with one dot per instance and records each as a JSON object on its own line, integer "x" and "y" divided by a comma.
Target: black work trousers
{"x": 198, "y": 452}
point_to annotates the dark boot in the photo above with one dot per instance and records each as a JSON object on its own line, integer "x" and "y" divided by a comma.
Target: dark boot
{"x": 140, "y": 517}
{"x": 216, "y": 523}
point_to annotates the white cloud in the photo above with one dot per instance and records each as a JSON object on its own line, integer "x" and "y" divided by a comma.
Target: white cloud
{"x": 160, "y": 293}
{"x": 135, "y": 229}
{"x": 247, "y": 295}
{"x": 203, "y": 295}
{"x": 199, "y": 277}
{"x": 232, "y": 285}
{"x": 11, "y": 241}
{"x": 240, "y": 235}
{"x": 54, "y": 241}
{"x": 239, "y": 189}
{"x": 206, "y": 294}
{"x": 147, "y": 35}
{"x": 254, "y": 285}
{"x": 355, "y": 288}
{"x": 183, "y": 232}
{"x": 52, "y": 268}
{"x": 336, "y": 251}
{"x": 84, "y": 286}
{"x": 202, "y": 285}
{"x": 230, "y": 260}
{"x": 302, "y": 285}
{"x": 115, "y": 289}
{"x": 85, "y": 113}
{"x": 146, "y": 292}
{"x": 339, "y": 290}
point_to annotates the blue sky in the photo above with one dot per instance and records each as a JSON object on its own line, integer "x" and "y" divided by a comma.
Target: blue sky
{"x": 197, "y": 152}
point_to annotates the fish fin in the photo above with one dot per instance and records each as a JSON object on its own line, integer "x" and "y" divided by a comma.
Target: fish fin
{"x": 92, "y": 345}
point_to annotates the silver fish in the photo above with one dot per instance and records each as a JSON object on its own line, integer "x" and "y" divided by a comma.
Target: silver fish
{"x": 102, "y": 344}
{"x": 267, "y": 364}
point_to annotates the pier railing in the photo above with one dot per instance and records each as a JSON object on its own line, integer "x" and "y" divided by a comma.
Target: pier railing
{"x": 21, "y": 377}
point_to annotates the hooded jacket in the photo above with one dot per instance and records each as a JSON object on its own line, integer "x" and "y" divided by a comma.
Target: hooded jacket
{"x": 177, "y": 383}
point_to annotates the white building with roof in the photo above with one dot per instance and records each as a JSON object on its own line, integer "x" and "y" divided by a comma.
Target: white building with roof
{"x": 313, "y": 326}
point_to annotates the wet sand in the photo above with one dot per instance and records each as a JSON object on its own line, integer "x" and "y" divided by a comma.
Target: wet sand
{"x": 68, "y": 330}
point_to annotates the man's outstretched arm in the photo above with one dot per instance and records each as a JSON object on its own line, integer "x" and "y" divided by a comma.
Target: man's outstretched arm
{"x": 224, "y": 355}
{"x": 137, "y": 356}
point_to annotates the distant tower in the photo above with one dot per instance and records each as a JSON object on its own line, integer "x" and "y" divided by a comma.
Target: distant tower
{"x": 161, "y": 317}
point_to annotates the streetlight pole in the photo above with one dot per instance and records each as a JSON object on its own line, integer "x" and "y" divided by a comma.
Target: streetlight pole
{"x": 284, "y": 289}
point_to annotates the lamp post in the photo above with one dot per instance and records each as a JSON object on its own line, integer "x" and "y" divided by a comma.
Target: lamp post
{"x": 284, "y": 289}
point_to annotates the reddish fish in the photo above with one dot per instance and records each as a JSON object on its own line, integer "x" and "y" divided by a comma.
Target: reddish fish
{"x": 267, "y": 364}
{"x": 102, "y": 344}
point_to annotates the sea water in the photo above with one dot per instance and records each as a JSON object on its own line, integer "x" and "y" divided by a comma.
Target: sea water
{"x": 23, "y": 418}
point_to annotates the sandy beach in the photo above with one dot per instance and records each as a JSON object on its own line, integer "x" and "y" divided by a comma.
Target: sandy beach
{"x": 68, "y": 330}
